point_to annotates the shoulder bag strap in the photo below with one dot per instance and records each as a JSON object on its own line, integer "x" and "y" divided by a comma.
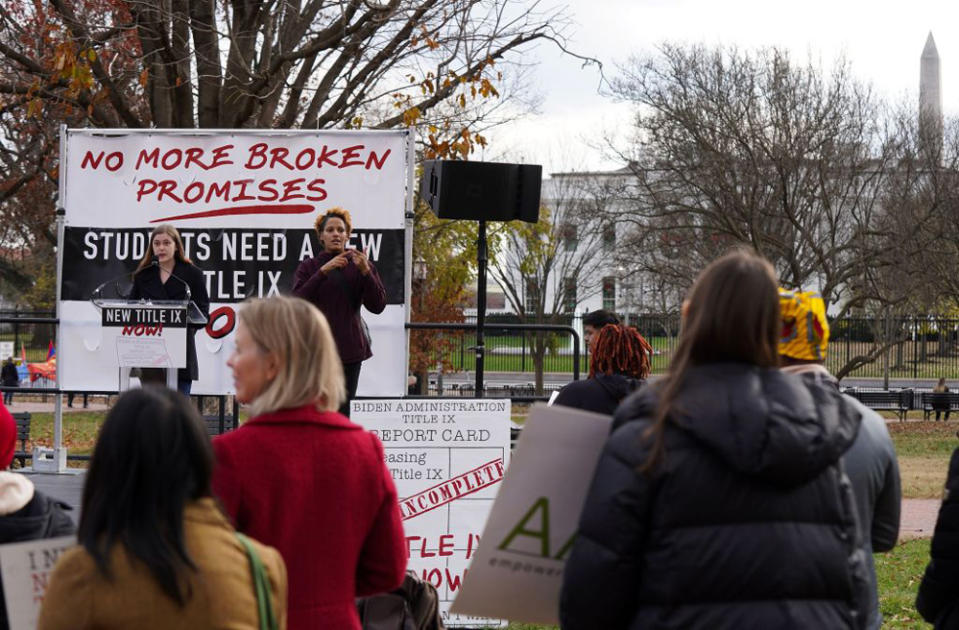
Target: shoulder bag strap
{"x": 261, "y": 584}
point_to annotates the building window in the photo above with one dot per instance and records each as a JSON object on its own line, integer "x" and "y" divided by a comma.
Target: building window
{"x": 609, "y": 293}
{"x": 609, "y": 237}
{"x": 532, "y": 297}
{"x": 495, "y": 301}
{"x": 569, "y": 235}
{"x": 569, "y": 294}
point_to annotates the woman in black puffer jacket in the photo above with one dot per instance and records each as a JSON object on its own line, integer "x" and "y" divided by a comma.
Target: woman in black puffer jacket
{"x": 719, "y": 501}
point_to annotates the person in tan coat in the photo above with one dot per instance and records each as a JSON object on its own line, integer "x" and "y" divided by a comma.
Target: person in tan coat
{"x": 155, "y": 549}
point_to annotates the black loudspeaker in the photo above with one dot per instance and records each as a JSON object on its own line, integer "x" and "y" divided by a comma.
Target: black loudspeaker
{"x": 488, "y": 191}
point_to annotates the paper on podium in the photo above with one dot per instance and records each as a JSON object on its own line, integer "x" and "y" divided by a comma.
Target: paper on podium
{"x": 518, "y": 570}
{"x": 143, "y": 353}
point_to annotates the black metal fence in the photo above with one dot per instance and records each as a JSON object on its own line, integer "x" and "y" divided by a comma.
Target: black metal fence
{"x": 873, "y": 347}
{"x": 510, "y": 350}
{"x": 897, "y": 347}
{"x": 32, "y": 339}
{"x": 918, "y": 348}
{"x": 903, "y": 347}
{"x": 512, "y": 353}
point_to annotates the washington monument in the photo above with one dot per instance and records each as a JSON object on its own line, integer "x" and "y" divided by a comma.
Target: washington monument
{"x": 930, "y": 94}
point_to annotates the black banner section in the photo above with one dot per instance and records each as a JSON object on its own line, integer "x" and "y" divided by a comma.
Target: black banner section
{"x": 124, "y": 316}
{"x": 237, "y": 263}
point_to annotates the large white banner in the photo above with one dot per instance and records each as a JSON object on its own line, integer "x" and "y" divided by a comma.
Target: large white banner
{"x": 244, "y": 203}
{"x": 447, "y": 458}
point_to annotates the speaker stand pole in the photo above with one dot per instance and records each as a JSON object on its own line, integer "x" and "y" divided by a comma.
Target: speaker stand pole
{"x": 482, "y": 259}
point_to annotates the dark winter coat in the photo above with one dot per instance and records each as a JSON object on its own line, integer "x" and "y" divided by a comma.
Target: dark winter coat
{"x": 938, "y": 599}
{"x": 338, "y": 296}
{"x": 873, "y": 470}
{"x": 147, "y": 285}
{"x": 42, "y": 517}
{"x": 748, "y": 522}
{"x": 600, "y": 394}
{"x": 8, "y": 375}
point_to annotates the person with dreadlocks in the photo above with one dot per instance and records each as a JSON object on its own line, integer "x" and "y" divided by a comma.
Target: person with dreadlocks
{"x": 618, "y": 366}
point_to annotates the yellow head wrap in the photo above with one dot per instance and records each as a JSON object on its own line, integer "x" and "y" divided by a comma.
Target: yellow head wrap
{"x": 805, "y": 330}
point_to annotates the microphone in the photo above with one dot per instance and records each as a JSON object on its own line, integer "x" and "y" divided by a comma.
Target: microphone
{"x": 154, "y": 262}
{"x": 186, "y": 285}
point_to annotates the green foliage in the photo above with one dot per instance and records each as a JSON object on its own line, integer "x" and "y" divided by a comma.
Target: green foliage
{"x": 448, "y": 249}
{"x": 43, "y": 294}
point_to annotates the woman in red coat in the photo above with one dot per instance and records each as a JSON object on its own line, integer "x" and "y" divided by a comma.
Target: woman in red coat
{"x": 300, "y": 477}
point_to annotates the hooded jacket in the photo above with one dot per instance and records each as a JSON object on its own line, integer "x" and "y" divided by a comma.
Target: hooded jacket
{"x": 747, "y": 521}
{"x": 873, "y": 470}
{"x": 601, "y": 394}
{"x": 26, "y": 514}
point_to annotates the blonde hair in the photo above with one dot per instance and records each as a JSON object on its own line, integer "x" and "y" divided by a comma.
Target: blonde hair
{"x": 178, "y": 252}
{"x": 298, "y": 336}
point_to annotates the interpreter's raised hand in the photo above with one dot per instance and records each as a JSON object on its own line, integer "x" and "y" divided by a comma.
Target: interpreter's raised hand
{"x": 361, "y": 260}
{"x": 338, "y": 261}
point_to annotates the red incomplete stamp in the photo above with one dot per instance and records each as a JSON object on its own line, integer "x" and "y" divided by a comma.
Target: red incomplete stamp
{"x": 452, "y": 489}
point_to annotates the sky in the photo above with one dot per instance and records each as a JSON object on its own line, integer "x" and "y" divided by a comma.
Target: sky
{"x": 882, "y": 40}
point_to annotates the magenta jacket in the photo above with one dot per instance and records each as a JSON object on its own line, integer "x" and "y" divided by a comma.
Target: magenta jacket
{"x": 340, "y": 308}
{"x": 315, "y": 486}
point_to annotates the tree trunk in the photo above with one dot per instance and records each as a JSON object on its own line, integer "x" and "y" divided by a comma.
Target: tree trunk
{"x": 209, "y": 76}
{"x": 539, "y": 356}
{"x": 423, "y": 382}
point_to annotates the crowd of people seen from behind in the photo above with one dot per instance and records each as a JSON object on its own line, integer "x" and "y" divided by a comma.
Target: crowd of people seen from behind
{"x": 741, "y": 489}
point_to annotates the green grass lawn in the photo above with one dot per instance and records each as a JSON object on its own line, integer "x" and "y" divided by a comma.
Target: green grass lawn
{"x": 923, "y": 449}
{"x": 898, "y": 574}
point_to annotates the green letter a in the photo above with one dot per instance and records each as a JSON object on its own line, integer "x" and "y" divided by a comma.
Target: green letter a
{"x": 541, "y": 504}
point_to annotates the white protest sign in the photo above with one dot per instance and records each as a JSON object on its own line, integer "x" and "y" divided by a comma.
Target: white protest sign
{"x": 26, "y": 568}
{"x": 6, "y": 350}
{"x": 447, "y": 458}
{"x": 244, "y": 202}
{"x": 518, "y": 571}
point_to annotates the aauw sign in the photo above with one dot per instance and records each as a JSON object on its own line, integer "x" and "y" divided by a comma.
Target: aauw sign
{"x": 533, "y": 522}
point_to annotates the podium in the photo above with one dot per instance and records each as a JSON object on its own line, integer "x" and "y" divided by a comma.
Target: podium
{"x": 147, "y": 334}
